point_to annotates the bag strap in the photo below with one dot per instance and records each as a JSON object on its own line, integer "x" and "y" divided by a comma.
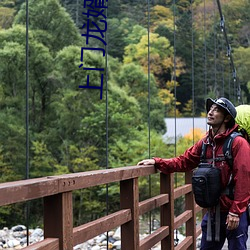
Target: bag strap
{"x": 203, "y": 152}
{"x": 227, "y": 151}
{"x": 217, "y": 223}
{"x": 209, "y": 225}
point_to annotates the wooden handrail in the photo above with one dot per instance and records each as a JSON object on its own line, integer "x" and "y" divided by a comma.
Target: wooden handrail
{"x": 56, "y": 191}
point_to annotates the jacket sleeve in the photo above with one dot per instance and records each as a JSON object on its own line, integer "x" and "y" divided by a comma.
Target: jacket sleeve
{"x": 183, "y": 163}
{"x": 241, "y": 175}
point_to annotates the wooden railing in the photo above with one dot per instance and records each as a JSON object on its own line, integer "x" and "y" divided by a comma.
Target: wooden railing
{"x": 59, "y": 232}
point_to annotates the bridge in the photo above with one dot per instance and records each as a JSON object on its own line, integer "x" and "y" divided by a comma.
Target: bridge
{"x": 192, "y": 73}
{"x": 56, "y": 192}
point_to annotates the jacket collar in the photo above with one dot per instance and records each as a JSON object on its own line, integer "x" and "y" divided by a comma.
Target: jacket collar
{"x": 221, "y": 136}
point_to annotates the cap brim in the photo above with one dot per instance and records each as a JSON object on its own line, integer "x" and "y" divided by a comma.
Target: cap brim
{"x": 209, "y": 103}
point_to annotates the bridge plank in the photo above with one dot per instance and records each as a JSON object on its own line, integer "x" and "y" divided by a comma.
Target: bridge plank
{"x": 182, "y": 218}
{"x": 185, "y": 189}
{"x": 24, "y": 190}
{"x": 99, "y": 177}
{"x": 154, "y": 238}
{"x": 46, "y": 244}
{"x": 187, "y": 242}
{"x": 152, "y": 203}
{"x": 90, "y": 230}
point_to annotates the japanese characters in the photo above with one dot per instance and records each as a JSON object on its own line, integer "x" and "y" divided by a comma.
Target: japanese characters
{"x": 95, "y": 8}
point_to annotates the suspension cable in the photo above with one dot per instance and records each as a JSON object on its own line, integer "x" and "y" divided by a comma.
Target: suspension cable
{"x": 174, "y": 74}
{"x": 77, "y": 13}
{"x": 205, "y": 50}
{"x": 192, "y": 76}
{"x": 229, "y": 53}
{"x": 27, "y": 206}
{"x": 107, "y": 186}
{"x": 175, "y": 95}
{"x": 222, "y": 68}
{"x": 215, "y": 52}
{"x": 149, "y": 120}
{"x": 107, "y": 120}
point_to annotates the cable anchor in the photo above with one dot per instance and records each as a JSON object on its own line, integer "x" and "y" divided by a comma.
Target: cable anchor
{"x": 229, "y": 50}
{"x": 222, "y": 23}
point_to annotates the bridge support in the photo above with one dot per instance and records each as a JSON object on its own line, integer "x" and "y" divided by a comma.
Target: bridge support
{"x": 167, "y": 210}
{"x": 190, "y": 205}
{"x": 130, "y": 199}
{"x": 58, "y": 219}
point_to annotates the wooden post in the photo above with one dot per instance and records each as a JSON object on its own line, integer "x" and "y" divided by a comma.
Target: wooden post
{"x": 129, "y": 197}
{"x": 167, "y": 210}
{"x": 58, "y": 219}
{"x": 190, "y": 205}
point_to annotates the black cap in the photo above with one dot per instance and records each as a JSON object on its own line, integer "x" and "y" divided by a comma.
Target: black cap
{"x": 223, "y": 103}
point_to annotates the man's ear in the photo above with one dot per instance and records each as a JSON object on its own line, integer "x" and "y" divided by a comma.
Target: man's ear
{"x": 228, "y": 118}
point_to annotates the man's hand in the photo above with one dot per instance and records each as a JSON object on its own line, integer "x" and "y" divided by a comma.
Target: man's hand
{"x": 232, "y": 221}
{"x": 146, "y": 162}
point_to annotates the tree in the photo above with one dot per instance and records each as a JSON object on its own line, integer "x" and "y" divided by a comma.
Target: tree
{"x": 12, "y": 103}
{"x": 6, "y": 17}
{"x": 161, "y": 16}
{"x": 40, "y": 67}
{"x": 80, "y": 112}
{"x": 42, "y": 162}
{"x": 7, "y": 13}
{"x": 160, "y": 54}
{"x": 121, "y": 33}
{"x": 237, "y": 19}
{"x": 161, "y": 57}
{"x": 127, "y": 153}
{"x": 136, "y": 82}
{"x": 242, "y": 64}
{"x": 51, "y": 24}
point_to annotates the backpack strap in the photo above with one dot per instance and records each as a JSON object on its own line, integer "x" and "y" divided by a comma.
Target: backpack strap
{"x": 203, "y": 155}
{"x": 227, "y": 151}
{"x": 227, "y": 148}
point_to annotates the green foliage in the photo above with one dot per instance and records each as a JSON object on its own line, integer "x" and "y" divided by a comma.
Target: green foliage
{"x": 132, "y": 151}
{"x": 129, "y": 152}
{"x": 52, "y": 24}
{"x": 242, "y": 63}
{"x": 42, "y": 162}
{"x": 136, "y": 82}
{"x": 12, "y": 149}
{"x": 119, "y": 31}
{"x": 6, "y": 17}
{"x": 161, "y": 16}
{"x": 12, "y": 68}
{"x": 160, "y": 53}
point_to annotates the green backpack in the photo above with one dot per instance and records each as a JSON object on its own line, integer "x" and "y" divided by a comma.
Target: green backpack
{"x": 243, "y": 120}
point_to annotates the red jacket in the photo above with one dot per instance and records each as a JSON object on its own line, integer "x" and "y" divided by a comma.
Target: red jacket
{"x": 241, "y": 167}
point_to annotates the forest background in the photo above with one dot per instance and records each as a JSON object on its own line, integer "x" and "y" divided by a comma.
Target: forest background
{"x": 72, "y": 129}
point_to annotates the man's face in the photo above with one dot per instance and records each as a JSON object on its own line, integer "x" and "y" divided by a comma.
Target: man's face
{"x": 215, "y": 116}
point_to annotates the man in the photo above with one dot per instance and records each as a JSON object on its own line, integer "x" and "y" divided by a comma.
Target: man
{"x": 221, "y": 115}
